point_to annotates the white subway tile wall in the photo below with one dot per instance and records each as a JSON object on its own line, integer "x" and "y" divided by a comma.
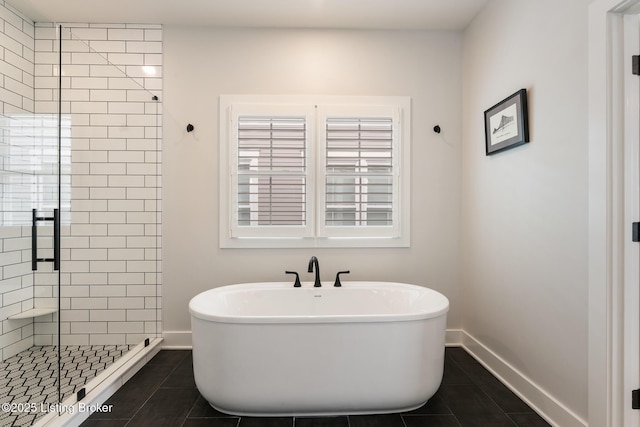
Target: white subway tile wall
{"x": 17, "y": 46}
{"x": 111, "y": 276}
{"x": 110, "y": 290}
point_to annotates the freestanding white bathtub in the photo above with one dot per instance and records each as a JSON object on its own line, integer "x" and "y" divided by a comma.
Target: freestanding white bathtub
{"x": 269, "y": 349}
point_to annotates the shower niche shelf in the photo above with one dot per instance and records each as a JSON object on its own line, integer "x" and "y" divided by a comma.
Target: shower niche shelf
{"x": 35, "y": 312}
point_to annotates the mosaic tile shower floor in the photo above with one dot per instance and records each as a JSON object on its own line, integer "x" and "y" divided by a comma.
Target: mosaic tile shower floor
{"x": 28, "y": 380}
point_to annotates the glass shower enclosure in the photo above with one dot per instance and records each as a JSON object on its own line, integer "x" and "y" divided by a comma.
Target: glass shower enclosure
{"x": 79, "y": 212}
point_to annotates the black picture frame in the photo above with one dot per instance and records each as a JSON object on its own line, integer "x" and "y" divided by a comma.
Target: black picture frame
{"x": 506, "y": 124}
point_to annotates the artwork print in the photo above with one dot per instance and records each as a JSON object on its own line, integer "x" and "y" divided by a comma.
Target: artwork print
{"x": 506, "y": 123}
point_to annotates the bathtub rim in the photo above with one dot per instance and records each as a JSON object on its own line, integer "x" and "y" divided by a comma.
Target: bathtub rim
{"x": 439, "y": 309}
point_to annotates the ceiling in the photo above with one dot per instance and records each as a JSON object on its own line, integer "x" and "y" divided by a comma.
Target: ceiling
{"x": 357, "y": 14}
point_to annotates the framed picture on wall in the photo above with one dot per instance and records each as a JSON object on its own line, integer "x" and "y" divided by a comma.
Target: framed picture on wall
{"x": 506, "y": 124}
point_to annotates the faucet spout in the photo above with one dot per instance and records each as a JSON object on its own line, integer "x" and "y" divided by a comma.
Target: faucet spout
{"x": 314, "y": 261}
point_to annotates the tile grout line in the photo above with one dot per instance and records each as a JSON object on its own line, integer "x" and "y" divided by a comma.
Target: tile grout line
{"x": 154, "y": 392}
{"x": 482, "y": 390}
{"x": 452, "y": 360}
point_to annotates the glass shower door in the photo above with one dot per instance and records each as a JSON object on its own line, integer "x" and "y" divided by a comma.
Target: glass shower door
{"x": 46, "y": 256}
{"x": 110, "y": 193}
{"x": 29, "y": 277}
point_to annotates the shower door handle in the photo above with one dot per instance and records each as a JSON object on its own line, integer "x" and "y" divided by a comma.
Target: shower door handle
{"x": 56, "y": 239}
{"x": 34, "y": 241}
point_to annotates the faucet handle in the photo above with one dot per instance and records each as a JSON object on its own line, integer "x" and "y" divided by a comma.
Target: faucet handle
{"x": 337, "y": 284}
{"x": 297, "y": 283}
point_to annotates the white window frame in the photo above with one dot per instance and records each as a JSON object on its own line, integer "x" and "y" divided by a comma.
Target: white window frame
{"x": 315, "y": 233}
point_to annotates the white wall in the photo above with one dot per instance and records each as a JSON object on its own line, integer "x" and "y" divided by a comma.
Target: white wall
{"x": 203, "y": 63}
{"x": 524, "y": 211}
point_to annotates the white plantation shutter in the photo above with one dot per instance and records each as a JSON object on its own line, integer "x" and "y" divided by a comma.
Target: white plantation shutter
{"x": 271, "y": 171}
{"x": 318, "y": 174}
{"x": 359, "y": 172}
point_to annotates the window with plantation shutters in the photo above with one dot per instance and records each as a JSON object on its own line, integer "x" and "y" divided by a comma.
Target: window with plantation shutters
{"x": 314, "y": 172}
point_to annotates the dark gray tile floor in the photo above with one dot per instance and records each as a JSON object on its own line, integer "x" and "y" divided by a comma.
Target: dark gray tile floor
{"x": 163, "y": 393}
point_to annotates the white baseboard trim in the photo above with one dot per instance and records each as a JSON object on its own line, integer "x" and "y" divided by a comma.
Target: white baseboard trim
{"x": 176, "y": 340}
{"x": 453, "y": 337}
{"x": 542, "y": 402}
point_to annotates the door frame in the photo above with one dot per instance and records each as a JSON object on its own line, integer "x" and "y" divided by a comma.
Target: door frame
{"x": 613, "y": 331}
{"x": 629, "y": 35}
